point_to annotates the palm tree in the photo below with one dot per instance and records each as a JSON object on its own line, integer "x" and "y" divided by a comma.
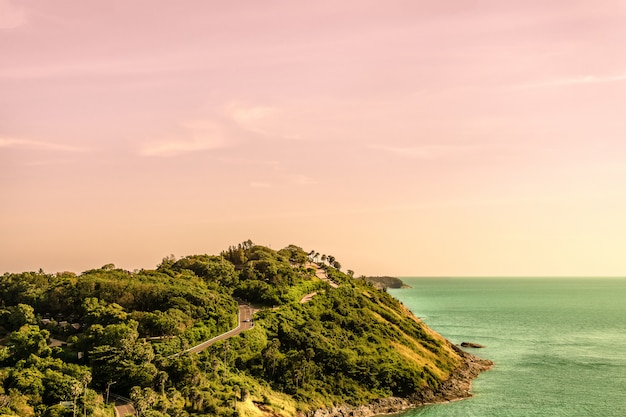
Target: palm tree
{"x": 76, "y": 389}
{"x": 86, "y": 379}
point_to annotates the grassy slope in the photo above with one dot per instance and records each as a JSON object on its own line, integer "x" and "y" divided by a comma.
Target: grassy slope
{"x": 362, "y": 345}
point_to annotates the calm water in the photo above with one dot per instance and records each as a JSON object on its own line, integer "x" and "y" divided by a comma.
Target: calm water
{"x": 559, "y": 344}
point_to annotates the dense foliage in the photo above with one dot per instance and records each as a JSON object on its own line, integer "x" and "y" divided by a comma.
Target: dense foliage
{"x": 69, "y": 340}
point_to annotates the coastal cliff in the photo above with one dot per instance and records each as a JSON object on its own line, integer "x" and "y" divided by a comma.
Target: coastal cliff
{"x": 456, "y": 387}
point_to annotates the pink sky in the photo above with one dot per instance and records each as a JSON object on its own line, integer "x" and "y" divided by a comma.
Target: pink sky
{"x": 402, "y": 137}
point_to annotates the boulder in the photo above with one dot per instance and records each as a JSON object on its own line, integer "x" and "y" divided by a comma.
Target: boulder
{"x": 471, "y": 345}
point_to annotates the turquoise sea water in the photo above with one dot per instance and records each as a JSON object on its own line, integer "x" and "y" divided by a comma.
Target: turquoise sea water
{"x": 559, "y": 344}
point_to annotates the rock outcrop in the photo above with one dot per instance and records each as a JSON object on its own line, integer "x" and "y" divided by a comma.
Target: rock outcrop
{"x": 457, "y": 387}
{"x": 471, "y": 345}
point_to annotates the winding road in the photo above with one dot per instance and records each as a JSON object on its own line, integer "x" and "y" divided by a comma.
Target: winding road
{"x": 245, "y": 323}
{"x": 124, "y": 406}
{"x": 321, "y": 274}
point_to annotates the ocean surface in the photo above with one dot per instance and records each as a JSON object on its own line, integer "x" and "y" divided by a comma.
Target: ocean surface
{"x": 559, "y": 344}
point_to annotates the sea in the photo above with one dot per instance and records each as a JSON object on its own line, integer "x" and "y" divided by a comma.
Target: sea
{"x": 558, "y": 344}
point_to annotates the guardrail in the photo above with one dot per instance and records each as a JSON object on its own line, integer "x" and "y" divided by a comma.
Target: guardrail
{"x": 119, "y": 397}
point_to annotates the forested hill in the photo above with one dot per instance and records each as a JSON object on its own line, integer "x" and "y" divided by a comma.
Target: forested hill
{"x": 67, "y": 339}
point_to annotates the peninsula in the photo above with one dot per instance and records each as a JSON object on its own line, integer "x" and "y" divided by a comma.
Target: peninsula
{"x": 249, "y": 332}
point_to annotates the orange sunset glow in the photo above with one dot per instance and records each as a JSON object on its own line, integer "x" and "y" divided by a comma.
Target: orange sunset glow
{"x": 403, "y": 137}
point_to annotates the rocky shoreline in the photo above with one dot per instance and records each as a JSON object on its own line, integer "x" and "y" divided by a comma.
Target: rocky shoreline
{"x": 457, "y": 387}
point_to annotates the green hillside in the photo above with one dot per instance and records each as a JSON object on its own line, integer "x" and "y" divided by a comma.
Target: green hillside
{"x": 68, "y": 338}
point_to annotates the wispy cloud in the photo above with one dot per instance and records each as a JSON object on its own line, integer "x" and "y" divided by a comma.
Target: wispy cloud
{"x": 259, "y": 184}
{"x": 201, "y": 135}
{"x": 175, "y": 147}
{"x": 11, "y": 15}
{"x": 283, "y": 182}
{"x": 48, "y": 162}
{"x": 113, "y": 67}
{"x": 423, "y": 151}
{"x": 264, "y": 120}
{"x": 582, "y": 80}
{"x": 304, "y": 180}
{"x": 250, "y": 115}
{"x": 269, "y": 163}
{"x": 37, "y": 145}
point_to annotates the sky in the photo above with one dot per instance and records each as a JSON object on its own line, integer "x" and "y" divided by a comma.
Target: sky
{"x": 407, "y": 138}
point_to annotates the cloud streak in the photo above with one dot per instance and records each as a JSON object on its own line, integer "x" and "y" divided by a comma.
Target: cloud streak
{"x": 424, "y": 151}
{"x": 263, "y": 120}
{"x": 14, "y": 143}
{"x": 11, "y": 16}
{"x": 201, "y": 136}
{"x": 259, "y": 184}
{"x": 304, "y": 180}
{"x": 588, "y": 79}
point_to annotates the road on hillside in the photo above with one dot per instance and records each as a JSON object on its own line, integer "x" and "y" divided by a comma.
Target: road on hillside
{"x": 308, "y": 297}
{"x": 245, "y": 323}
{"x": 321, "y": 274}
{"x": 123, "y": 406}
{"x": 124, "y": 409}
